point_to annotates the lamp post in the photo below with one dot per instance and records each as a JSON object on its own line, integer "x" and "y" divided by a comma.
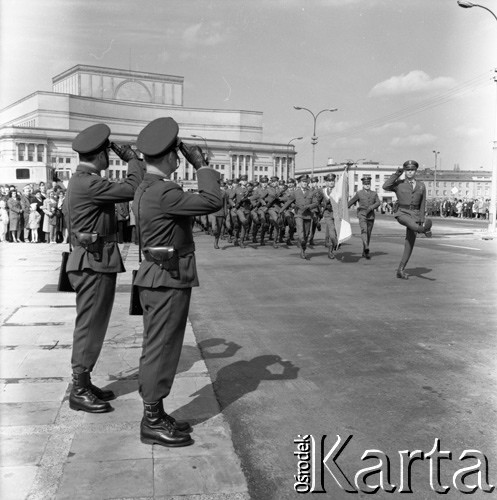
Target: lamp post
{"x": 288, "y": 155}
{"x": 493, "y": 191}
{"x": 436, "y": 153}
{"x": 206, "y": 155}
{"x": 314, "y": 139}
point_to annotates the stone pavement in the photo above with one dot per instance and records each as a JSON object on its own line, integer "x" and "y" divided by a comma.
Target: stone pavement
{"x": 48, "y": 451}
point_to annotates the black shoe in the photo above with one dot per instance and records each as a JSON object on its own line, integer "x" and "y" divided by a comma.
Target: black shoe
{"x": 159, "y": 428}
{"x": 288, "y": 242}
{"x": 179, "y": 425}
{"x": 236, "y": 243}
{"x": 331, "y": 253}
{"x": 82, "y": 397}
{"x": 263, "y": 244}
{"x": 216, "y": 244}
{"x": 311, "y": 243}
{"x": 275, "y": 244}
{"x": 366, "y": 254}
{"x": 302, "y": 254}
{"x": 103, "y": 394}
{"x": 401, "y": 274}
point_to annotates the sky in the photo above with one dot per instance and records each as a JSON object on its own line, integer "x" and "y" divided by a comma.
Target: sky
{"x": 407, "y": 77}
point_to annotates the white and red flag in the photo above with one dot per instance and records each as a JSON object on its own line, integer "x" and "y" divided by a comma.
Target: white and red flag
{"x": 340, "y": 195}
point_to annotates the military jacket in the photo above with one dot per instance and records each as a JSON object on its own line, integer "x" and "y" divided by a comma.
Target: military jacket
{"x": 89, "y": 206}
{"x": 368, "y": 202}
{"x": 242, "y": 198}
{"x": 304, "y": 202}
{"x": 415, "y": 198}
{"x": 163, "y": 213}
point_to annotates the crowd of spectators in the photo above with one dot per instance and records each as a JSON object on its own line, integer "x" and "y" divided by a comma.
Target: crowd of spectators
{"x": 464, "y": 208}
{"x": 34, "y": 214}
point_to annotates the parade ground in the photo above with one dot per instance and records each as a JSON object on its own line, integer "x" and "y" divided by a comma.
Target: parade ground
{"x": 279, "y": 351}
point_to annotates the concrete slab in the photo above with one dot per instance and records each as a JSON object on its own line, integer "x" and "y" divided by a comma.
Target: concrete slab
{"x": 31, "y": 413}
{"x": 33, "y": 392}
{"x": 107, "y": 479}
{"x": 42, "y": 314}
{"x": 22, "y": 450}
{"x": 15, "y": 482}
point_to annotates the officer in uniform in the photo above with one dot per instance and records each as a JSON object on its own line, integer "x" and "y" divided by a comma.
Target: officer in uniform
{"x": 409, "y": 209}
{"x": 287, "y": 215}
{"x": 368, "y": 203}
{"x": 95, "y": 259}
{"x": 329, "y": 207}
{"x": 304, "y": 202}
{"x": 165, "y": 278}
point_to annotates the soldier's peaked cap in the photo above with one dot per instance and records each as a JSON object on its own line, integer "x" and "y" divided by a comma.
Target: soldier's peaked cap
{"x": 264, "y": 179}
{"x": 304, "y": 178}
{"x": 330, "y": 177}
{"x": 158, "y": 137}
{"x": 92, "y": 139}
{"x": 244, "y": 177}
{"x": 366, "y": 178}
{"x": 410, "y": 165}
{"x": 315, "y": 179}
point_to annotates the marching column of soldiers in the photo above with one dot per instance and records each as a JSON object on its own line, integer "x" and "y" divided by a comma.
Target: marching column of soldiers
{"x": 275, "y": 211}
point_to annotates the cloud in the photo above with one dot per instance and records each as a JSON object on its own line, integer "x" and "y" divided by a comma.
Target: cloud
{"x": 413, "y": 140}
{"x": 416, "y": 81}
{"x": 199, "y": 34}
{"x": 464, "y": 131}
{"x": 348, "y": 142}
{"x": 388, "y": 128}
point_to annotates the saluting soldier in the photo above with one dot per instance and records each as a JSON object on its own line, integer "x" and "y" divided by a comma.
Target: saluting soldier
{"x": 165, "y": 278}
{"x": 410, "y": 208}
{"x": 304, "y": 202}
{"x": 368, "y": 203}
{"x": 95, "y": 259}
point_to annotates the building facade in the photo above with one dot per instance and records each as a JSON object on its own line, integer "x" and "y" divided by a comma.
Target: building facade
{"x": 469, "y": 184}
{"x": 36, "y": 132}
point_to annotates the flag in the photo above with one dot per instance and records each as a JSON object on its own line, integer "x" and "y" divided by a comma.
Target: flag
{"x": 341, "y": 216}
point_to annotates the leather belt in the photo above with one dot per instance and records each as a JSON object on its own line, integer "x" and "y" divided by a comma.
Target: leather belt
{"x": 409, "y": 207}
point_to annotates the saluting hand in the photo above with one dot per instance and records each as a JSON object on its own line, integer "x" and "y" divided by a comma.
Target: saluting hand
{"x": 125, "y": 152}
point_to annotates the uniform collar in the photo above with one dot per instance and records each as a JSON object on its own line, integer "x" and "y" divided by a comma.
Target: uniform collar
{"x": 89, "y": 168}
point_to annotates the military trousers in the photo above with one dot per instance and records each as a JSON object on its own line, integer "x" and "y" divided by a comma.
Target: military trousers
{"x": 95, "y": 294}
{"x": 165, "y": 311}
{"x": 330, "y": 231}
{"x": 366, "y": 225}
{"x": 303, "y": 230}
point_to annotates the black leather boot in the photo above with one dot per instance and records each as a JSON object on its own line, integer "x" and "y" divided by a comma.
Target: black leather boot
{"x": 103, "y": 394}
{"x": 216, "y": 243}
{"x": 159, "y": 428}
{"x": 331, "y": 252}
{"x": 83, "y": 398}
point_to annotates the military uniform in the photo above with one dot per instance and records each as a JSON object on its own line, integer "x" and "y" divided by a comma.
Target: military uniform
{"x": 316, "y": 213}
{"x": 329, "y": 209}
{"x": 165, "y": 278}
{"x": 368, "y": 203}
{"x": 95, "y": 259}
{"x": 409, "y": 210}
{"x": 217, "y": 219}
{"x": 242, "y": 206}
{"x": 259, "y": 211}
{"x": 304, "y": 202}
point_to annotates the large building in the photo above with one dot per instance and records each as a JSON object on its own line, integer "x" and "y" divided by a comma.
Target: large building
{"x": 441, "y": 184}
{"x": 36, "y": 132}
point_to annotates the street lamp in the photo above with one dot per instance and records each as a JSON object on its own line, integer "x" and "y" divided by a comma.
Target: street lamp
{"x": 493, "y": 191}
{"x": 435, "y": 174}
{"x": 206, "y": 147}
{"x": 288, "y": 155}
{"x": 314, "y": 139}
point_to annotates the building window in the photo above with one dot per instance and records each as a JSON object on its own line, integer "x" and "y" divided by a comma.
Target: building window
{"x": 21, "y": 149}
{"x": 377, "y": 178}
{"x": 111, "y": 162}
{"x": 437, "y": 192}
{"x": 40, "y": 150}
{"x": 429, "y": 192}
{"x": 445, "y": 192}
{"x": 54, "y": 160}
{"x": 438, "y": 184}
{"x": 31, "y": 152}
{"x": 22, "y": 173}
{"x": 60, "y": 159}
{"x": 68, "y": 160}
{"x": 265, "y": 169}
{"x": 118, "y": 174}
{"x": 186, "y": 175}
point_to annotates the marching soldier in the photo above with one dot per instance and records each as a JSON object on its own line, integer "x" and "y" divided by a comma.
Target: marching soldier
{"x": 304, "y": 203}
{"x": 234, "y": 231}
{"x": 259, "y": 210}
{"x": 409, "y": 209}
{"x": 316, "y": 213}
{"x": 242, "y": 206}
{"x": 95, "y": 259}
{"x": 328, "y": 206}
{"x": 168, "y": 273}
{"x": 229, "y": 222}
{"x": 217, "y": 219}
{"x": 288, "y": 217}
{"x": 368, "y": 203}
